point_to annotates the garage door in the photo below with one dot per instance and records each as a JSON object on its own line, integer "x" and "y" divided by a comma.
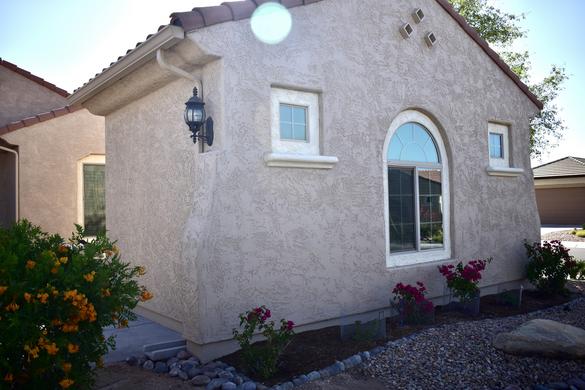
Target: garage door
{"x": 561, "y": 206}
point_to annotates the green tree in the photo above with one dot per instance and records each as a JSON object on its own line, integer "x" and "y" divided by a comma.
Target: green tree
{"x": 500, "y": 30}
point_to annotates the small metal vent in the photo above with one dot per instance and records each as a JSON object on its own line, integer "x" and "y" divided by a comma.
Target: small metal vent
{"x": 418, "y": 15}
{"x": 406, "y": 30}
{"x": 431, "y": 39}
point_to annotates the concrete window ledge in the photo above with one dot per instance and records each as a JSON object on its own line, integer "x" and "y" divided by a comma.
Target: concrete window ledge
{"x": 509, "y": 172}
{"x": 286, "y": 160}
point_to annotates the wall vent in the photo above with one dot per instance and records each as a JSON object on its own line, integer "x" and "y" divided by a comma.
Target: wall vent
{"x": 418, "y": 15}
{"x": 406, "y": 30}
{"x": 431, "y": 39}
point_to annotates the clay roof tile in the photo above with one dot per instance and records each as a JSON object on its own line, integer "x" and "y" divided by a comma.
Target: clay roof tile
{"x": 34, "y": 78}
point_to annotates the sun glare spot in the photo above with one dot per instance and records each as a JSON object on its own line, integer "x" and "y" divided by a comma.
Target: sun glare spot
{"x": 271, "y": 23}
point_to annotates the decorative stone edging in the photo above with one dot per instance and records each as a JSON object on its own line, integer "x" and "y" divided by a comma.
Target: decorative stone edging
{"x": 220, "y": 376}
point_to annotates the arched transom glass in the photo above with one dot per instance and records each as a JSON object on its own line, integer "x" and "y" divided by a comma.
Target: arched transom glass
{"x": 412, "y": 142}
{"x": 415, "y": 190}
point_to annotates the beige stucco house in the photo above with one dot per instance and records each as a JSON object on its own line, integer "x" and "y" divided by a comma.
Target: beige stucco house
{"x": 369, "y": 146}
{"x": 52, "y": 156}
{"x": 560, "y": 191}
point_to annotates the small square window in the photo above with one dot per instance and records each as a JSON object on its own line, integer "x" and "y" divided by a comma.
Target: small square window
{"x": 496, "y": 145}
{"x": 293, "y": 122}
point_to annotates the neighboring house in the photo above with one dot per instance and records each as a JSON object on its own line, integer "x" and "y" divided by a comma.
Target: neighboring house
{"x": 52, "y": 156}
{"x": 560, "y": 191}
{"x": 347, "y": 158}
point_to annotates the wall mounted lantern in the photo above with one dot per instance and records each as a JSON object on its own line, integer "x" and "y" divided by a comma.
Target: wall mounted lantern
{"x": 200, "y": 126}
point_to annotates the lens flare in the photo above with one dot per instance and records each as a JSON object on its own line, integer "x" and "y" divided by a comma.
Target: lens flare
{"x": 271, "y": 23}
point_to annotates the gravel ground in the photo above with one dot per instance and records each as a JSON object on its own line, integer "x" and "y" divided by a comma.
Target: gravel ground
{"x": 564, "y": 235}
{"x": 461, "y": 356}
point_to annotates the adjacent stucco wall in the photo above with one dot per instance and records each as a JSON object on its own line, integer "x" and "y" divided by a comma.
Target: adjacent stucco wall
{"x": 221, "y": 232}
{"x": 21, "y": 97}
{"x": 48, "y": 154}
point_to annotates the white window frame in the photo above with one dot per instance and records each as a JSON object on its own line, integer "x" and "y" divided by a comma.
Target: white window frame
{"x": 308, "y": 100}
{"x": 503, "y": 131}
{"x": 297, "y": 153}
{"x": 92, "y": 159}
{"x": 401, "y": 259}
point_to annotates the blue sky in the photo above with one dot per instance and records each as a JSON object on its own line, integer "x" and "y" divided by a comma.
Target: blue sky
{"x": 67, "y": 41}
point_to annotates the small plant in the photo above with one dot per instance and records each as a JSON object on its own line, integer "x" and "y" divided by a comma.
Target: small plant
{"x": 580, "y": 233}
{"x": 549, "y": 266}
{"x": 462, "y": 280}
{"x": 412, "y": 305}
{"x": 55, "y": 298}
{"x": 262, "y": 358}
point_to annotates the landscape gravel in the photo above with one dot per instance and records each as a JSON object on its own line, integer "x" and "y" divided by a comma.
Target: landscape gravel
{"x": 461, "y": 356}
{"x": 564, "y": 235}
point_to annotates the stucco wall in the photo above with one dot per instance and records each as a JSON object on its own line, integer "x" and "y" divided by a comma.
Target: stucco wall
{"x": 21, "y": 97}
{"x": 222, "y": 232}
{"x": 48, "y": 153}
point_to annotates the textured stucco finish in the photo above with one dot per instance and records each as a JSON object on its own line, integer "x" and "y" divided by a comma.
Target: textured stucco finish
{"x": 21, "y": 97}
{"x": 222, "y": 232}
{"x": 48, "y": 155}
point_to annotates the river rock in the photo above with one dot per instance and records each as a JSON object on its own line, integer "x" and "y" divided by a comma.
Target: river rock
{"x": 543, "y": 338}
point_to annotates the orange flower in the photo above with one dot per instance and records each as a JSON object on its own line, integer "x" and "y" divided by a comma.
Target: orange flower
{"x": 43, "y": 297}
{"x": 106, "y": 292}
{"x": 52, "y": 349}
{"x": 70, "y": 328}
{"x": 63, "y": 248}
{"x": 30, "y": 264}
{"x": 66, "y": 367}
{"x": 54, "y": 270}
{"x": 63, "y": 260}
{"x": 32, "y": 352}
{"x": 123, "y": 324}
{"x": 146, "y": 295}
{"x": 66, "y": 383}
{"x": 27, "y": 297}
{"x": 72, "y": 348}
{"x": 89, "y": 277}
{"x": 3, "y": 289}
{"x": 115, "y": 249}
{"x": 141, "y": 271}
{"x": 55, "y": 292}
{"x": 12, "y": 307}
{"x": 56, "y": 322}
{"x": 9, "y": 377}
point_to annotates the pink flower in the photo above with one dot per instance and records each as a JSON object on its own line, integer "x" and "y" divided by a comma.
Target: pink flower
{"x": 290, "y": 325}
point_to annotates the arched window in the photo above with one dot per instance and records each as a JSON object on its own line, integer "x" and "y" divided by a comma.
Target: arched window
{"x": 417, "y": 191}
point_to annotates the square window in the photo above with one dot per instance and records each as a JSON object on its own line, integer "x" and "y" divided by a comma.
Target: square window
{"x": 293, "y": 122}
{"x": 496, "y": 145}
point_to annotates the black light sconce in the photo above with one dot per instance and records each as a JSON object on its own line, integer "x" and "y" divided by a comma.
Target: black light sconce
{"x": 200, "y": 126}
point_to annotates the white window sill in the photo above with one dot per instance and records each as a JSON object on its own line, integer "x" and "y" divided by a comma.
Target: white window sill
{"x": 502, "y": 171}
{"x": 405, "y": 259}
{"x": 286, "y": 160}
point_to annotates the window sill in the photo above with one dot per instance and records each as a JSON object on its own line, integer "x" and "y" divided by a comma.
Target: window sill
{"x": 399, "y": 260}
{"x": 286, "y": 160}
{"x": 501, "y": 171}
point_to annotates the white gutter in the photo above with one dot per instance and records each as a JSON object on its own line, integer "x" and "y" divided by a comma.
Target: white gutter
{"x": 16, "y": 206}
{"x": 178, "y": 71}
{"x": 167, "y": 37}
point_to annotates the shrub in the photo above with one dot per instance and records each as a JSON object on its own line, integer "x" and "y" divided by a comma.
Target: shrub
{"x": 55, "y": 297}
{"x": 463, "y": 280}
{"x": 261, "y": 359}
{"x": 549, "y": 266}
{"x": 583, "y": 226}
{"x": 412, "y": 305}
{"x": 580, "y": 233}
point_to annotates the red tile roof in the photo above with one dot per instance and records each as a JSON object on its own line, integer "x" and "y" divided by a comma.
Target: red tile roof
{"x": 34, "y": 78}
{"x": 33, "y": 120}
{"x": 200, "y": 17}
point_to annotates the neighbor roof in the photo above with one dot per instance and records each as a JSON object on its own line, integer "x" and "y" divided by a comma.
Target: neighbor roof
{"x": 200, "y": 17}
{"x": 568, "y": 166}
{"x": 36, "y": 79}
{"x": 33, "y": 120}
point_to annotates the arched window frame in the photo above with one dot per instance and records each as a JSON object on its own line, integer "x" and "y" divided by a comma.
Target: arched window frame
{"x": 418, "y": 257}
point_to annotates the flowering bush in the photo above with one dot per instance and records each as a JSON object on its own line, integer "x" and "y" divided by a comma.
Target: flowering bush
{"x": 463, "y": 279}
{"x": 412, "y": 305}
{"x": 549, "y": 266}
{"x": 55, "y": 297}
{"x": 262, "y": 358}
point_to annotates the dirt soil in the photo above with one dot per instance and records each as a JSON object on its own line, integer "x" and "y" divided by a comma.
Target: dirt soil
{"x": 317, "y": 349}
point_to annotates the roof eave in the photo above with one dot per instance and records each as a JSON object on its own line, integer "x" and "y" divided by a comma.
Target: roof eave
{"x": 165, "y": 38}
